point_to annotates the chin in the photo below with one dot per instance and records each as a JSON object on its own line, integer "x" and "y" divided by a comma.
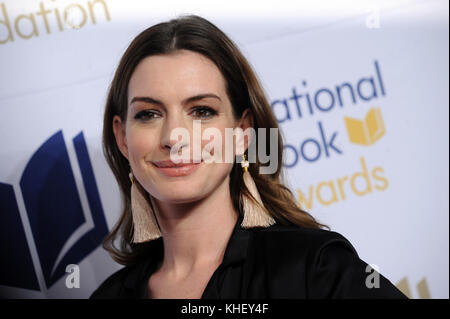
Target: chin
{"x": 172, "y": 199}
{"x": 178, "y": 194}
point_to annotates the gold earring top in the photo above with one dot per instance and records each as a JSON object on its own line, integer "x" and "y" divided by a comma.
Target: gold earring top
{"x": 245, "y": 164}
{"x": 131, "y": 177}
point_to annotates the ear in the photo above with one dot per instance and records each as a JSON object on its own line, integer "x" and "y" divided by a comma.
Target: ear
{"x": 119, "y": 133}
{"x": 246, "y": 121}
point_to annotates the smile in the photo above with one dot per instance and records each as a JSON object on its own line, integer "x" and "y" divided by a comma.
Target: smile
{"x": 175, "y": 170}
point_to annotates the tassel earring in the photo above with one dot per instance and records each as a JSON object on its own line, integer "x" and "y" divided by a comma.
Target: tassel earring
{"x": 144, "y": 221}
{"x": 255, "y": 214}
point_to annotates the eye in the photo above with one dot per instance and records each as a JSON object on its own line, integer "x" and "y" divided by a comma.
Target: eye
{"x": 146, "y": 115}
{"x": 204, "y": 112}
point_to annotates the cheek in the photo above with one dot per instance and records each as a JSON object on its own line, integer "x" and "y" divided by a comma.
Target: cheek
{"x": 140, "y": 142}
{"x": 216, "y": 173}
{"x": 219, "y": 145}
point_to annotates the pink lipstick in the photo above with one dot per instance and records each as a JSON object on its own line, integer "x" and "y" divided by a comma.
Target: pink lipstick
{"x": 172, "y": 169}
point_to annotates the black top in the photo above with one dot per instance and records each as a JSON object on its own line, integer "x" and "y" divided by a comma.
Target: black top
{"x": 275, "y": 262}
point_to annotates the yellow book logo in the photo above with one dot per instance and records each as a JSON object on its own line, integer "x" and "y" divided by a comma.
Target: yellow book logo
{"x": 368, "y": 131}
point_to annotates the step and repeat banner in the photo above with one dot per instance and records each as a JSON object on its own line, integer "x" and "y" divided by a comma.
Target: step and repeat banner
{"x": 360, "y": 93}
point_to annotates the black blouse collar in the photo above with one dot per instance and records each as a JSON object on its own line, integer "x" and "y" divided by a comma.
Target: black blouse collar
{"x": 235, "y": 253}
{"x": 236, "y": 250}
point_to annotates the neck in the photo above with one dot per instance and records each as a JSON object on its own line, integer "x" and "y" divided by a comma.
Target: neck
{"x": 195, "y": 235}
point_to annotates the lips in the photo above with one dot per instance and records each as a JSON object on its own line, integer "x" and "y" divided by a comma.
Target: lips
{"x": 171, "y": 169}
{"x": 170, "y": 164}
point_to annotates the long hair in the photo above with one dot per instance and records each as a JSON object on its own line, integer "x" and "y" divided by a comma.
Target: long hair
{"x": 244, "y": 90}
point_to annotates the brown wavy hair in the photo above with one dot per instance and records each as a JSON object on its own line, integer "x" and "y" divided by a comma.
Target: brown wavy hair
{"x": 244, "y": 91}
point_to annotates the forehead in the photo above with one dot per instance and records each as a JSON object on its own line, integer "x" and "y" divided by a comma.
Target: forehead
{"x": 175, "y": 76}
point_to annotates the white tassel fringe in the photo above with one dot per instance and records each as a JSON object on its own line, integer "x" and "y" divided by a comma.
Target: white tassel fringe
{"x": 254, "y": 215}
{"x": 144, "y": 221}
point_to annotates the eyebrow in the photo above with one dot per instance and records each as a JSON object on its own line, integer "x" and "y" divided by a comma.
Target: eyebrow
{"x": 151, "y": 100}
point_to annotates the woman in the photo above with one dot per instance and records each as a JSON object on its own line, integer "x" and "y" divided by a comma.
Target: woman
{"x": 209, "y": 229}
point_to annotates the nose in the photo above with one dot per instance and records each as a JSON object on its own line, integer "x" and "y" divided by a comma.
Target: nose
{"x": 175, "y": 132}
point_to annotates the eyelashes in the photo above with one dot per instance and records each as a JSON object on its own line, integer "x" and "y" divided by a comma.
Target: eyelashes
{"x": 145, "y": 115}
{"x": 200, "y": 112}
{"x": 205, "y": 109}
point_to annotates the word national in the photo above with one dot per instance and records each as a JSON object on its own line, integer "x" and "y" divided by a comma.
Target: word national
{"x": 328, "y": 99}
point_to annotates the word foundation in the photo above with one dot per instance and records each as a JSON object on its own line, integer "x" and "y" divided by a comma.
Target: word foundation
{"x": 29, "y": 25}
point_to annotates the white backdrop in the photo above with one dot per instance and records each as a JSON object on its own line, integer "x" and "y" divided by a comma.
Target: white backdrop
{"x": 389, "y": 197}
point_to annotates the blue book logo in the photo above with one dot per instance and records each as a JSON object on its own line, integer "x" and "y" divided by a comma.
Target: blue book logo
{"x": 62, "y": 231}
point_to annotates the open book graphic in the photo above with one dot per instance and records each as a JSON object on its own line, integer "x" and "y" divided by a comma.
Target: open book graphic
{"x": 49, "y": 220}
{"x": 366, "y": 132}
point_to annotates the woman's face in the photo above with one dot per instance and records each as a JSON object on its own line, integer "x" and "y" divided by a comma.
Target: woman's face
{"x": 178, "y": 88}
